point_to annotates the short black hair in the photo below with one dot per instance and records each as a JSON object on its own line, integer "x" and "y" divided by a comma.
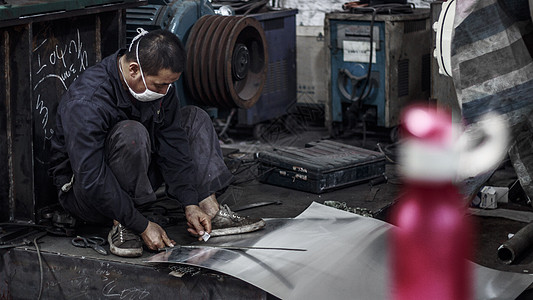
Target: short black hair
{"x": 158, "y": 49}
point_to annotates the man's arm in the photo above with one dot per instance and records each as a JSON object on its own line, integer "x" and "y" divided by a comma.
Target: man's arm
{"x": 155, "y": 237}
{"x": 197, "y": 220}
{"x": 177, "y": 167}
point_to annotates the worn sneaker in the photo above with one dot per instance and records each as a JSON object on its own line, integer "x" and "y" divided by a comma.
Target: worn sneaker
{"x": 227, "y": 222}
{"x": 123, "y": 242}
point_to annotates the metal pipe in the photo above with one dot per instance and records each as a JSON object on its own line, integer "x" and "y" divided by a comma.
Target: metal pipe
{"x": 513, "y": 248}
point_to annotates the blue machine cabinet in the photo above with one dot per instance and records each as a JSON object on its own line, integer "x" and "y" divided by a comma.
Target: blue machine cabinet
{"x": 279, "y": 92}
{"x": 400, "y": 69}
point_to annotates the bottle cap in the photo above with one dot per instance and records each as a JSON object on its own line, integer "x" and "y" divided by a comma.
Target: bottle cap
{"x": 428, "y": 151}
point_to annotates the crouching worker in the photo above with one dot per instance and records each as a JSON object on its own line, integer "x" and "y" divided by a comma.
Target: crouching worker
{"x": 120, "y": 134}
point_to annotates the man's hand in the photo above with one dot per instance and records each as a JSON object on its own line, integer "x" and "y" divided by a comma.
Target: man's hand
{"x": 197, "y": 220}
{"x": 155, "y": 237}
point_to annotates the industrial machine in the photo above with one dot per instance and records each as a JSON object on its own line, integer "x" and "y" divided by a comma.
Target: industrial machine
{"x": 226, "y": 54}
{"x": 230, "y": 69}
{"x": 370, "y": 82}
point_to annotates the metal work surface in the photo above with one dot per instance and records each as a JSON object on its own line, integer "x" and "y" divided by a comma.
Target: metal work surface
{"x": 346, "y": 256}
{"x": 74, "y": 277}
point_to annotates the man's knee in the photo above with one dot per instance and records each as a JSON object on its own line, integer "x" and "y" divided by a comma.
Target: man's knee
{"x": 128, "y": 136}
{"x": 193, "y": 116}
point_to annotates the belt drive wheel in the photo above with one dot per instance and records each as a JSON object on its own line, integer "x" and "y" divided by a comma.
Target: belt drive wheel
{"x": 220, "y": 61}
{"x": 226, "y": 61}
{"x": 211, "y": 81}
{"x": 201, "y": 43}
{"x": 246, "y": 62}
{"x": 190, "y": 63}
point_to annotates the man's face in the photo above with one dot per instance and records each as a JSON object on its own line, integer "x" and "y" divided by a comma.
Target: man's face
{"x": 157, "y": 83}
{"x": 161, "y": 82}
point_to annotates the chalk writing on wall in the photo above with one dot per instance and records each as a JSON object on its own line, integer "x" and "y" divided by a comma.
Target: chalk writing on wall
{"x": 58, "y": 64}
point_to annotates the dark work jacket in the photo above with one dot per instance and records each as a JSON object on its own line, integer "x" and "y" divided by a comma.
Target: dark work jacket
{"x": 93, "y": 104}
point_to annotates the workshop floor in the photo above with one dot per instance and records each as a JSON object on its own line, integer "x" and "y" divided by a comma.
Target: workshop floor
{"x": 490, "y": 231}
{"x": 240, "y": 150}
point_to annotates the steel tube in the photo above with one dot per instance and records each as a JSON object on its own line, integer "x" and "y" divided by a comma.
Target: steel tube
{"x": 513, "y": 248}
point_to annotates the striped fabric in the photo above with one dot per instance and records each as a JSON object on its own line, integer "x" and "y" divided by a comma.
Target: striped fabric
{"x": 493, "y": 72}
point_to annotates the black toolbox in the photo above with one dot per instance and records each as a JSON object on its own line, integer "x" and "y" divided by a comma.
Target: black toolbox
{"x": 320, "y": 166}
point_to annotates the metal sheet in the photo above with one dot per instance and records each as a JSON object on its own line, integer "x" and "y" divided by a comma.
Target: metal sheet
{"x": 346, "y": 256}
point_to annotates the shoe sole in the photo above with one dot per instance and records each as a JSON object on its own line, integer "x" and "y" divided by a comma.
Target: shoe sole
{"x": 238, "y": 230}
{"x": 127, "y": 252}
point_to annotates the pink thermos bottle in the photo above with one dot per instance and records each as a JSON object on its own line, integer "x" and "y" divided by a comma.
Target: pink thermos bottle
{"x": 432, "y": 240}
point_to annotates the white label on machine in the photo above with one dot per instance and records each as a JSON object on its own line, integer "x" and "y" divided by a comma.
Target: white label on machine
{"x": 358, "y": 51}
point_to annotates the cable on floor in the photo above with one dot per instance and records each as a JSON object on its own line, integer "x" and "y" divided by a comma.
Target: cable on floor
{"x": 40, "y": 266}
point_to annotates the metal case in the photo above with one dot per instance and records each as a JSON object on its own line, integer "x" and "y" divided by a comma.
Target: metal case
{"x": 320, "y": 167}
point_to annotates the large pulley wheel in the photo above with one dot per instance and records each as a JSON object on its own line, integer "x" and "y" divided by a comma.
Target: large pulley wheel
{"x": 227, "y": 61}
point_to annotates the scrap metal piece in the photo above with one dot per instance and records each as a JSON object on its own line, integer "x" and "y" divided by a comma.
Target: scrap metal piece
{"x": 517, "y": 245}
{"x": 257, "y": 204}
{"x": 240, "y": 248}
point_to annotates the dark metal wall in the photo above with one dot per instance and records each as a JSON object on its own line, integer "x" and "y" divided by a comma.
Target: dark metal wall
{"x": 4, "y": 174}
{"x": 41, "y": 56}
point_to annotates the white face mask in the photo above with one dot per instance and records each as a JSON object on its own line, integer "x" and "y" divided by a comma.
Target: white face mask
{"x": 148, "y": 95}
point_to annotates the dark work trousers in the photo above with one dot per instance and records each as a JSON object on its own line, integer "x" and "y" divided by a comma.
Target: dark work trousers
{"x": 137, "y": 173}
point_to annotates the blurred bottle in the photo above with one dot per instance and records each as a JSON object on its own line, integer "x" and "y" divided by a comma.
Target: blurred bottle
{"x": 432, "y": 242}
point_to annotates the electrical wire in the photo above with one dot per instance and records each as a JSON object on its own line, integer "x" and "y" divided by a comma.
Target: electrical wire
{"x": 24, "y": 225}
{"x": 383, "y": 152}
{"x": 255, "y": 6}
{"x": 226, "y": 125}
{"x": 40, "y": 266}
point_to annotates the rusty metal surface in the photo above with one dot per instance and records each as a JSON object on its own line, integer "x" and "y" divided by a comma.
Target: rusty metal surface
{"x": 204, "y": 63}
{"x": 245, "y": 92}
{"x": 200, "y": 43}
{"x": 213, "y": 83}
{"x": 227, "y": 61}
{"x": 346, "y": 258}
{"x": 220, "y": 58}
{"x": 189, "y": 65}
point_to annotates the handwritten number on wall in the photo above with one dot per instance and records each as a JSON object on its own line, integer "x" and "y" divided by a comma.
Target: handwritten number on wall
{"x": 64, "y": 62}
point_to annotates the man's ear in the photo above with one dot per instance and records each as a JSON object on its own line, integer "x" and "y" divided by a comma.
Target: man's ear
{"x": 133, "y": 69}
